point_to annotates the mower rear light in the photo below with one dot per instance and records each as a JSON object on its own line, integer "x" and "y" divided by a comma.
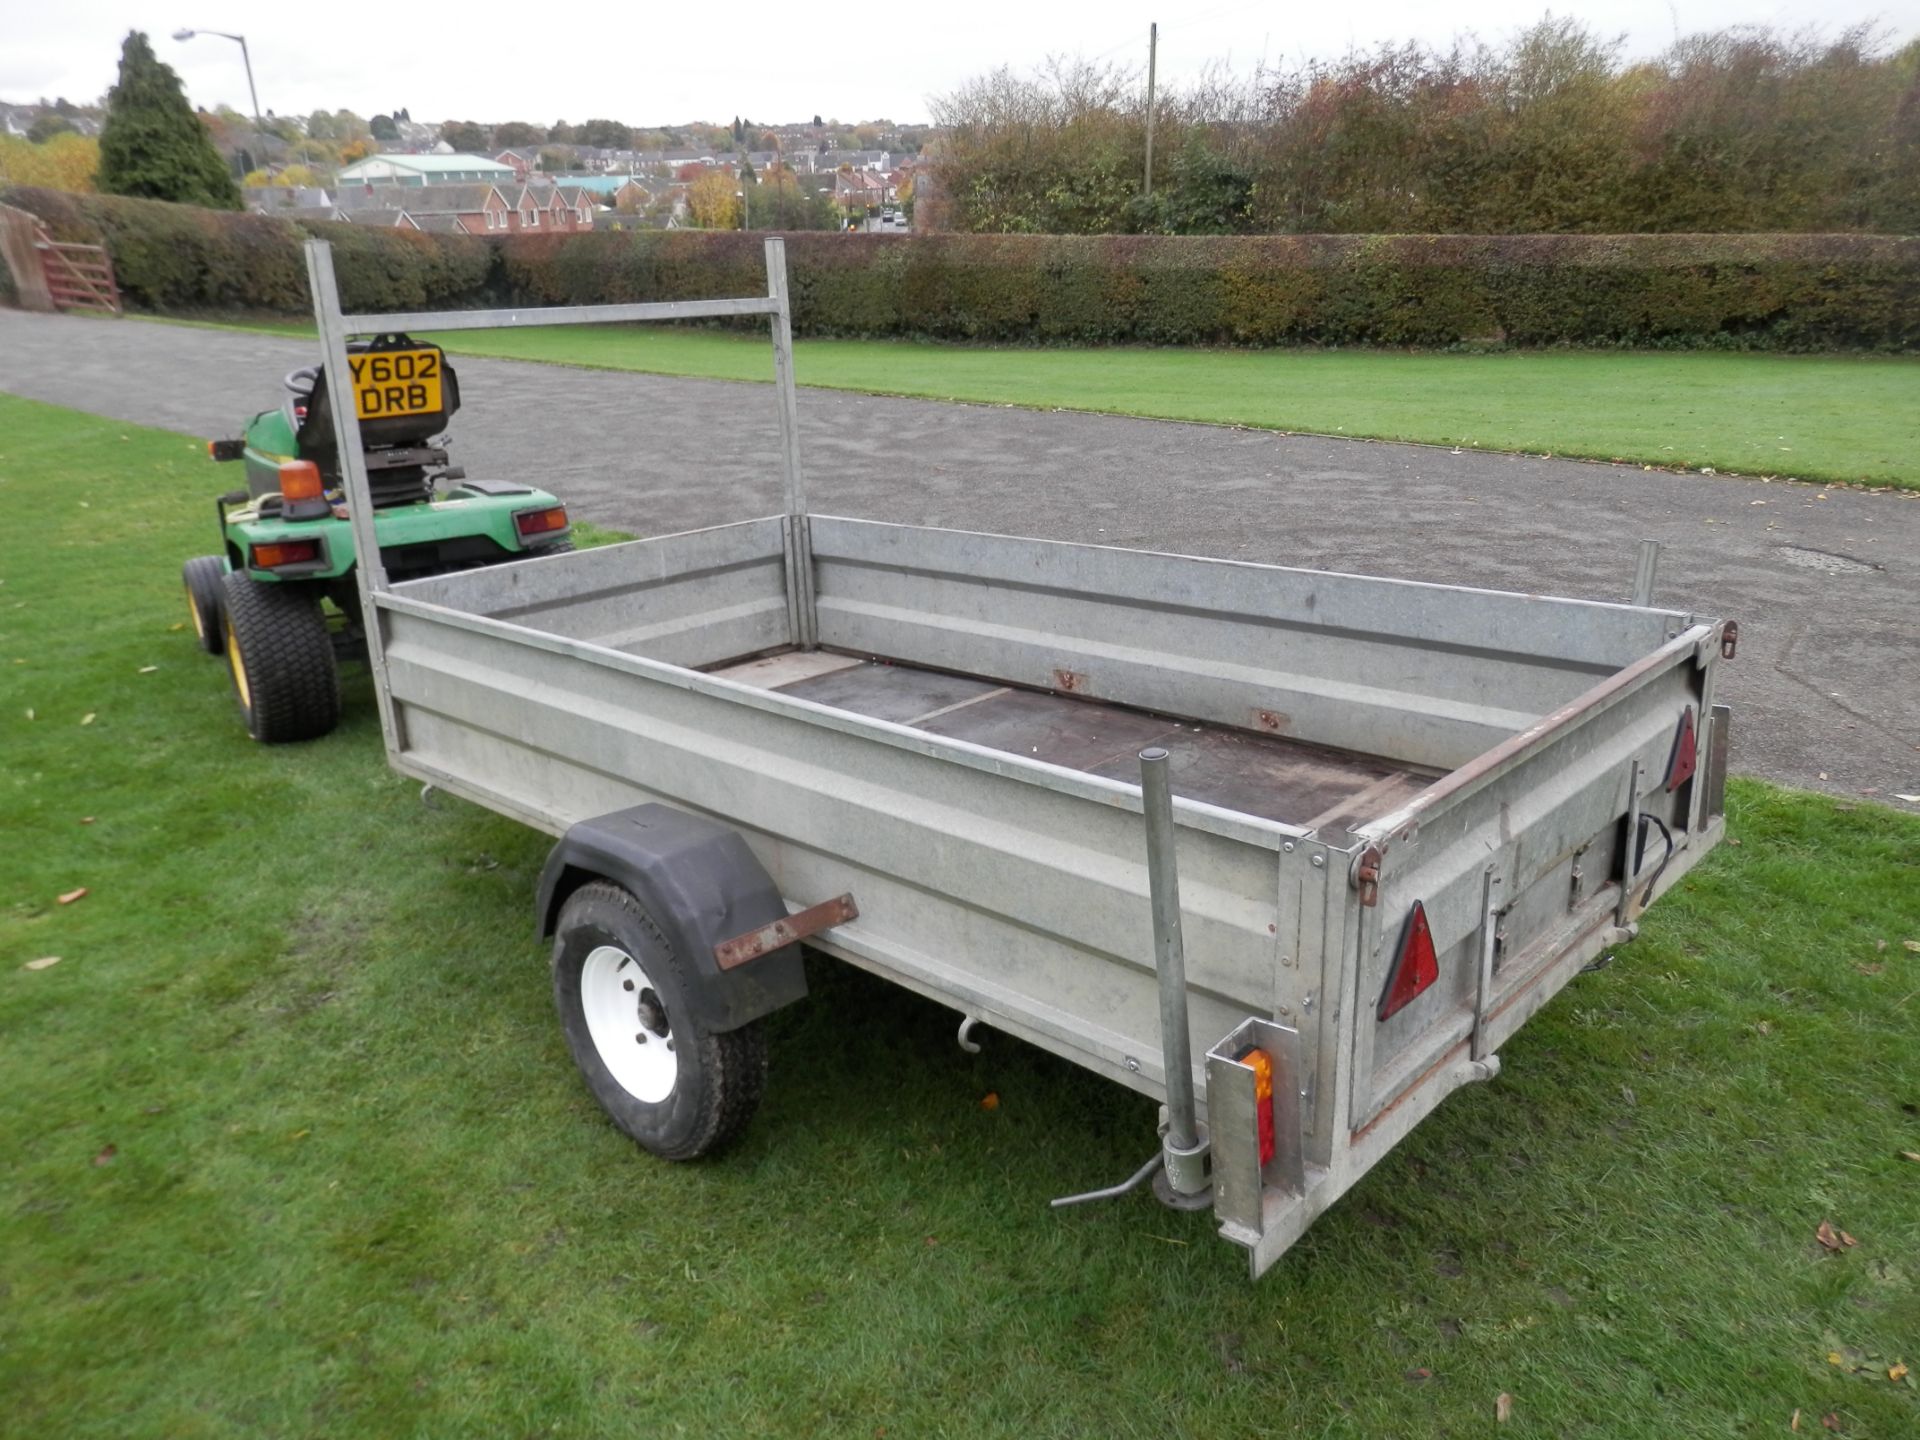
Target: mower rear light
{"x": 1261, "y": 1063}
{"x": 531, "y": 523}
{"x": 1680, "y": 765}
{"x": 300, "y": 480}
{"x": 285, "y": 552}
{"x": 1414, "y": 968}
{"x": 226, "y": 449}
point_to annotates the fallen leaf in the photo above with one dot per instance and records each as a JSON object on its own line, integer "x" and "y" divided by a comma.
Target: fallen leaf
{"x": 45, "y": 960}
{"x": 1846, "y": 1239}
{"x": 1794, "y": 1424}
{"x": 73, "y": 895}
{"x": 29, "y": 712}
{"x": 106, "y": 1156}
{"x": 1897, "y": 1372}
{"x": 301, "y": 1134}
{"x": 1910, "y": 799}
{"x": 1825, "y": 1235}
{"x": 148, "y": 669}
{"x": 87, "y": 719}
{"x": 1913, "y": 1155}
{"x": 86, "y": 819}
{"x": 1416, "y": 1377}
{"x": 178, "y": 625}
{"x": 1503, "y": 1408}
{"x": 990, "y": 1101}
{"x": 1868, "y": 969}
{"x": 1913, "y": 945}
{"x": 1834, "y": 1357}
{"x": 1830, "y": 1421}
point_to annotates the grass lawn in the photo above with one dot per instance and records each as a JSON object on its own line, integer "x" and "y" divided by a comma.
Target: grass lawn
{"x": 1824, "y": 417}
{"x": 293, "y": 1146}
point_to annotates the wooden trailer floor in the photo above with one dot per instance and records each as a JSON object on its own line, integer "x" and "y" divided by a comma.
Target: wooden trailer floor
{"x": 1312, "y": 786}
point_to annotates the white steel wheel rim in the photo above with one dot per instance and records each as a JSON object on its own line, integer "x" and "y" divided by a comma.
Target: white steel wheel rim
{"x": 627, "y": 1022}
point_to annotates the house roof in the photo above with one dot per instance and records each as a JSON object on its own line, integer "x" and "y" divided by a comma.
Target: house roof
{"x": 418, "y": 200}
{"x": 440, "y": 224}
{"x": 287, "y": 197}
{"x": 431, "y": 165}
{"x": 390, "y": 219}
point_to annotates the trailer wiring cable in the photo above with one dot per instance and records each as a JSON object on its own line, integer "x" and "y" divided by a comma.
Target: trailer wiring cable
{"x": 1647, "y": 899}
{"x": 1647, "y": 818}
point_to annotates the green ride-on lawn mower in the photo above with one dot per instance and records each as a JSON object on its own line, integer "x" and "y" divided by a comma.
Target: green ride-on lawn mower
{"x": 280, "y": 598}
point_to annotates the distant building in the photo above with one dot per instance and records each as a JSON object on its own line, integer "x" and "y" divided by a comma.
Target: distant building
{"x": 287, "y": 200}
{"x": 391, "y": 169}
{"x": 520, "y": 164}
{"x": 479, "y": 209}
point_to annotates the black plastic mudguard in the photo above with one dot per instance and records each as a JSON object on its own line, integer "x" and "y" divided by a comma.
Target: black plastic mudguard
{"x": 701, "y": 884}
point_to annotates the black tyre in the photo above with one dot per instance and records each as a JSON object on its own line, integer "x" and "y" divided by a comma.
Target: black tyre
{"x": 204, "y": 578}
{"x": 678, "y": 1090}
{"x": 281, "y": 659}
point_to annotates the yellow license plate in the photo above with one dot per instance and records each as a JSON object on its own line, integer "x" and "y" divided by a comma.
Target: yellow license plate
{"x": 392, "y": 383}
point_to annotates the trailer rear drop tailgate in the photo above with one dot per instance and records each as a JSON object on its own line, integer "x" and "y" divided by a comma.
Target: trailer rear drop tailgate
{"x": 1525, "y": 865}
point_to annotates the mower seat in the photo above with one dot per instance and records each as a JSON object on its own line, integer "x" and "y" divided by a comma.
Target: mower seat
{"x": 398, "y": 454}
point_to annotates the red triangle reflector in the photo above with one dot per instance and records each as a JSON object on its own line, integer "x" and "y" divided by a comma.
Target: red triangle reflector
{"x": 1680, "y": 765}
{"x": 1414, "y": 969}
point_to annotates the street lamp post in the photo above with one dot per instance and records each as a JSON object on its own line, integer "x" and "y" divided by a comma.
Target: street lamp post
{"x": 246, "y": 60}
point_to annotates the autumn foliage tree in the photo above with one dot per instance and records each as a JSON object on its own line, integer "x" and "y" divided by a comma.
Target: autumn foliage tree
{"x": 66, "y": 162}
{"x": 714, "y": 202}
{"x": 152, "y": 145}
{"x": 1745, "y": 129}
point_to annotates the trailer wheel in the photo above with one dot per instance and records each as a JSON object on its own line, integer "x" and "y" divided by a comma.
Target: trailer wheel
{"x": 678, "y": 1090}
{"x": 204, "y": 576}
{"x": 281, "y": 659}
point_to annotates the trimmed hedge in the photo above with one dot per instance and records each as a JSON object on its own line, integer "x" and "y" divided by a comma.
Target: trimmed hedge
{"x": 1785, "y": 292}
{"x": 179, "y": 258}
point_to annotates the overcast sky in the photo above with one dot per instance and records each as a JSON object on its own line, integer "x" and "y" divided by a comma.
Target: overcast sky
{"x": 770, "y": 62}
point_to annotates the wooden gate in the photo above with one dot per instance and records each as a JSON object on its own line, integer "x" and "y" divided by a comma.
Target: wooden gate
{"x": 51, "y": 274}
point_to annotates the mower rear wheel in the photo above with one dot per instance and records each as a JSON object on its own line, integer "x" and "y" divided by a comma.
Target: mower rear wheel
{"x": 204, "y": 577}
{"x": 281, "y": 659}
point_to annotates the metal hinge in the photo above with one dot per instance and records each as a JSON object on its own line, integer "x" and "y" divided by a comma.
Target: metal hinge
{"x": 1366, "y": 875}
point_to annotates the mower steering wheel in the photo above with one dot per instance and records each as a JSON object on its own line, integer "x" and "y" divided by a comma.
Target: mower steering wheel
{"x": 300, "y": 382}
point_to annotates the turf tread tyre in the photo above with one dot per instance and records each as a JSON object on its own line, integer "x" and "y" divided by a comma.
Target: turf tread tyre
{"x": 204, "y": 577}
{"x": 278, "y": 634}
{"x": 721, "y": 1076}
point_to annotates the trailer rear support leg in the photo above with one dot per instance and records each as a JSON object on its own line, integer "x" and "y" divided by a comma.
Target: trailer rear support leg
{"x": 1185, "y": 1150}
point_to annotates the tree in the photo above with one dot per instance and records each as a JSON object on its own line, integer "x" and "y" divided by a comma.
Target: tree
{"x": 816, "y": 122}
{"x": 603, "y": 134}
{"x": 517, "y": 133}
{"x": 561, "y": 133}
{"x": 383, "y": 128}
{"x": 66, "y": 162}
{"x": 714, "y": 202}
{"x": 739, "y": 130}
{"x": 287, "y": 177}
{"x": 152, "y": 144}
{"x": 466, "y": 136}
{"x": 49, "y": 124}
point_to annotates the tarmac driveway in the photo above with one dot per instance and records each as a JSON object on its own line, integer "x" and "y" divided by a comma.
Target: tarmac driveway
{"x": 1825, "y": 583}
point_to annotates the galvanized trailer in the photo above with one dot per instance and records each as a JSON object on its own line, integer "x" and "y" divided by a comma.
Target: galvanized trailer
{"x": 1378, "y": 824}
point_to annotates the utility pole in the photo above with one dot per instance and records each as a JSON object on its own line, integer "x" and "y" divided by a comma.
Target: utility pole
{"x": 1153, "y": 53}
